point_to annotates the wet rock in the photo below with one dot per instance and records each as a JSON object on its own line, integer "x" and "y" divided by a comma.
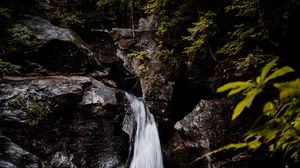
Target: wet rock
{"x": 13, "y": 156}
{"x": 155, "y": 77}
{"x": 98, "y": 93}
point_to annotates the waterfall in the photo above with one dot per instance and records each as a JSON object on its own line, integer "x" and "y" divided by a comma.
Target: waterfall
{"x": 147, "y": 150}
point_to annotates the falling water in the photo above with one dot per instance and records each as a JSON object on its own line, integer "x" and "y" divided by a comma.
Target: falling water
{"x": 147, "y": 149}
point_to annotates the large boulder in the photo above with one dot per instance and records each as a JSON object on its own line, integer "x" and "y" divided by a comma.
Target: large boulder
{"x": 43, "y": 48}
{"x": 200, "y": 131}
{"x": 28, "y": 100}
{"x": 206, "y": 125}
{"x": 68, "y": 121}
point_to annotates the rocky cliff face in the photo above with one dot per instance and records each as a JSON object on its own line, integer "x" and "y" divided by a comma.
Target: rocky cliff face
{"x": 66, "y": 107}
{"x": 140, "y": 54}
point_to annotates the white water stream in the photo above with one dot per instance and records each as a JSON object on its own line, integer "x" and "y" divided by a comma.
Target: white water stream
{"x": 147, "y": 150}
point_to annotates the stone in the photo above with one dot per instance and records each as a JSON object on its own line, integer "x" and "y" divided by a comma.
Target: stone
{"x": 13, "y": 156}
{"x": 24, "y": 100}
{"x": 206, "y": 126}
{"x": 45, "y": 31}
{"x": 201, "y": 131}
{"x": 155, "y": 78}
{"x": 52, "y": 50}
{"x": 61, "y": 160}
{"x": 98, "y": 93}
{"x": 72, "y": 121}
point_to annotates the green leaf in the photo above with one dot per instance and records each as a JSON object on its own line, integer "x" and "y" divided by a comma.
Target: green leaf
{"x": 297, "y": 124}
{"x": 258, "y": 80}
{"x": 246, "y": 102}
{"x": 234, "y": 85}
{"x": 266, "y": 69}
{"x": 228, "y": 147}
{"x": 237, "y": 90}
{"x": 288, "y": 89}
{"x": 288, "y": 92}
{"x": 268, "y": 108}
{"x": 254, "y": 144}
{"x": 141, "y": 67}
{"x": 240, "y": 107}
{"x": 280, "y": 72}
{"x": 289, "y": 84}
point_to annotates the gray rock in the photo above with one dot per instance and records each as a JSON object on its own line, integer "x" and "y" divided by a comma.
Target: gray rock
{"x": 199, "y": 132}
{"x": 98, "y": 93}
{"x": 148, "y": 24}
{"x": 8, "y": 115}
{"x": 13, "y": 156}
{"x": 45, "y": 31}
{"x": 206, "y": 126}
{"x": 22, "y": 98}
{"x": 53, "y": 49}
{"x": 109, "y": 161}
{"x": 61, "y": 160}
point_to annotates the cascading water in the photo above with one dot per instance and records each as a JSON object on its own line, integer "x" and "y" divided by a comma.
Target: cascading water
{"x": 147, "y": 150}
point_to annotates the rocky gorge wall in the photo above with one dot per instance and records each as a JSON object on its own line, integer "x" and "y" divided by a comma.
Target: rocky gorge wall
{"x": 65, "y": 108}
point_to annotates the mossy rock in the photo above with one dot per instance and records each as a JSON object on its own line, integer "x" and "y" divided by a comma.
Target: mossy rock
{"x": 37, "y": 112}
{"x": 36, "y": 109}
{"x": 7, "y": 68}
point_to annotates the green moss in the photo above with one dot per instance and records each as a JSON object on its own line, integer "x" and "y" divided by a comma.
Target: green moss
{"x": 21, "y": 34}
{"x": 15, "y": 103}
{"x": 5, "y": 12}
{"x": 141, "y": 55}
{"x": 117, "y": 36}
{"x": 36, "y": 109}
{"x": 37, "y": 112}
{"x": 141, "y": 67}
{"x": 66, "y": 19}
{"x": 7, "y": 68}
{"x": 170, "y": 59}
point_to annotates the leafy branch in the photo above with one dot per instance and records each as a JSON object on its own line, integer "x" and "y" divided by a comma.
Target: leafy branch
{"x": 253, "y": 87}
{"x": 280, "y": 129}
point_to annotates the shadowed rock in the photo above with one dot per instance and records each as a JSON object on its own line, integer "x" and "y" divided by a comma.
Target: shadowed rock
{"x": 13, "y": 156}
